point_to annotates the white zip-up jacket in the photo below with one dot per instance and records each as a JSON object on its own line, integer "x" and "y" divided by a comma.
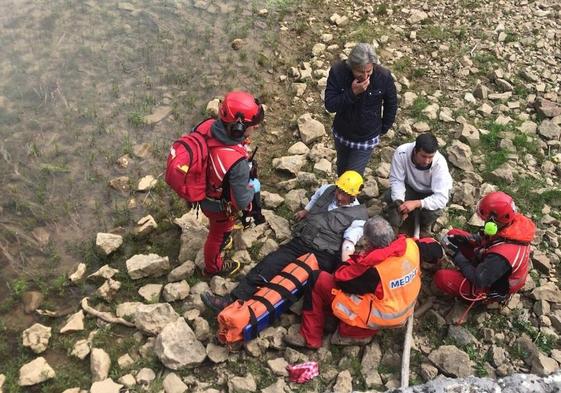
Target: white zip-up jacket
{"x": 435, "y": 179}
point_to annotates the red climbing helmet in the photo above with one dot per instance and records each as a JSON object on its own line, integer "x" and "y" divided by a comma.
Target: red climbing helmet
{"x": 498, "y": 207}
{"x": 240, "y": 106}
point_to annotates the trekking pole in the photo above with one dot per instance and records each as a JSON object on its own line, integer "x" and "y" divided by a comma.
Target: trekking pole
{"x": 405, "y": 358}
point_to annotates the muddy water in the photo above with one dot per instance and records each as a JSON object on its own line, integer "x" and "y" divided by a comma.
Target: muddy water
{"x": 75, "y": 79}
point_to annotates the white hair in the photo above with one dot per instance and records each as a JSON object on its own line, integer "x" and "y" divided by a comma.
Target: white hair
{"x": 361, "y": 55}
{"x": 378, "y": 232}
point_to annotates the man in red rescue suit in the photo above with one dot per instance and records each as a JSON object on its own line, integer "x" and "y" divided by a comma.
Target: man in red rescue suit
{"x": 494, "y": 264}
{"x": 374, "y": 290}
{"x": 228, "y": 185}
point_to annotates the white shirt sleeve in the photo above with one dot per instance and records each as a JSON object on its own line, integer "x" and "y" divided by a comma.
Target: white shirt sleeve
{"x": 397, "y": 177}
{"x": 441, "y": 184}
{"x": 316, "y": 195}
{"x": 354, "y": 232}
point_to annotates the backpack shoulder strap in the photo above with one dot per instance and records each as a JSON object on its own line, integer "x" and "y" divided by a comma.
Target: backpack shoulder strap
{"x": 204, "y": 127}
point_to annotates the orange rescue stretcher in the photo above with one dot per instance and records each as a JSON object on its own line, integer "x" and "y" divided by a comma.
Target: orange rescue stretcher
{"x": 243, "y": 320}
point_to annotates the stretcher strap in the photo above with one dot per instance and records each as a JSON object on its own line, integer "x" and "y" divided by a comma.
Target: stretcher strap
{"x": 253, "y": 318}
{"x": 266, "y": 302}
{"x": 297, "y": 284}
{"x": 284, "y": 292}
{"x": 253, "y": 322}
{"x": 303, "y": 265}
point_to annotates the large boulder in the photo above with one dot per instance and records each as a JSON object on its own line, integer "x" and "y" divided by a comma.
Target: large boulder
{"x": 344, "y": 383}
{"x": 107, "y": 243}
{"x": 452, "y": 361}
{"x": 242, "y": 384}
{"x": 31, "y": 300}
{"x": 177, "y": 347}
{"x": 173, "y": 384}
{"x": 147, "y": 265}
{"x": 36, "y": 337}
{"x": 278, "y": 224}
{"x": 100, "y": 363}
{"x": 543, "y": 365}
{"x": 470, "y": 135}
{"x": 176, "y": 291}
{"x": 152, "y": 318}
{"x": 548, "y": 292}
{"x": 416, "y": 16}
{"x": 369, "y": 364}
{"x": 459, "y": 155}
{"x": 35, "y": 372}
{"x": 549, "y": 130}
{"x": 182, "y": 271}
{"x": 291, "y": 164}
{"x": 547, "y": 108}
{"x": 105, "y": 386}
{"x": 310, "y": 129}
{"x": 74, "y": 323}
{"x": 193, "y": 234}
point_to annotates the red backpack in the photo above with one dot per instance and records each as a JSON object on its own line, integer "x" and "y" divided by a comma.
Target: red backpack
{"x": 186, "y": 171}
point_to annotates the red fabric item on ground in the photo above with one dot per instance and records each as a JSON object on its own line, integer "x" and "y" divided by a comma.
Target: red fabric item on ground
{"x": 313, "y": 320}
{"x": 220, "y": 225}
{"x": 303, "y": 372}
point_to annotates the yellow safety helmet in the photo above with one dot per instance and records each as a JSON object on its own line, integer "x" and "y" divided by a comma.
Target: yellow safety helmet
{"x": 350, "y": 182}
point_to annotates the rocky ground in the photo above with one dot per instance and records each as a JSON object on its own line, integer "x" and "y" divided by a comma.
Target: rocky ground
{"x": 483, "y": 76}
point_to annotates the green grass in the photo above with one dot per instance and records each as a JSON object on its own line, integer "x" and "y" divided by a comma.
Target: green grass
{"x": 403, "y": 65}
{"x": 478, "y": 359}
{"x": 485, "y": 62}
{"x": 434, "y": 33}
{"x": 417, "y": 108}
{"x": 364, "y": 32}
{"x": 543, "y": 341}
{"x": 493, "y": 155}
{"x": 381, "y": 9}
{"x": 18, "y": 287}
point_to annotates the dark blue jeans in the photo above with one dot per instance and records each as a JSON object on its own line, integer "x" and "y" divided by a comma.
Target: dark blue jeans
{"x": 351, "y": 159}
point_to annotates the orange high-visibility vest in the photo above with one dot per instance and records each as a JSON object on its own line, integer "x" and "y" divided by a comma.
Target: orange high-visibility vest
{"x": 400, "y": 278}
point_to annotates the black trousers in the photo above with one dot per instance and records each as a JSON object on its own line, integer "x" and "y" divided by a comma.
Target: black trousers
{"x": 273, "y": 264}
{"x": 427, "y": 217}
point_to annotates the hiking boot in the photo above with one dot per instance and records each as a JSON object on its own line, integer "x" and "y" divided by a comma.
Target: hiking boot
{"x": 229, "y": 243}
{"x": 216, "y": 303}
{"x": 230, "y": 268}
{"x": 336, "y": 339}
{"x": 259, "y": 219}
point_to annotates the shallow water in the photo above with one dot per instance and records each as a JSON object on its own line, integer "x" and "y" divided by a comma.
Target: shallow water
{"x": 76, "y": 78}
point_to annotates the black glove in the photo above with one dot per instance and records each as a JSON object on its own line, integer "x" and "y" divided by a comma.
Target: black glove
{"x": 451, "y": 245}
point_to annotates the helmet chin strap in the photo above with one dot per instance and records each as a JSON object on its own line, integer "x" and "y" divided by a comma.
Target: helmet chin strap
{"x": 238, "y": 128}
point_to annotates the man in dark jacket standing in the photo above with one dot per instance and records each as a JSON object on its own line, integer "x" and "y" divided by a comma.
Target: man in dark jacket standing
{"x": 357, "y": 90}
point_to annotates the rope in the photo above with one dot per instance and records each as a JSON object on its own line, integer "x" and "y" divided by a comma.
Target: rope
{"x": 477, "y": 298}
{"x": 408, "y": 340}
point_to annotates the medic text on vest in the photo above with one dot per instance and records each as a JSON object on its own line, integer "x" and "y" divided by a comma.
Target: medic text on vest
{"x": 400, "y": 282}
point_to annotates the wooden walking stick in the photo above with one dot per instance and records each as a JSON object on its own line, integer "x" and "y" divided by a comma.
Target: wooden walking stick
{"x": 409, "y": 330}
